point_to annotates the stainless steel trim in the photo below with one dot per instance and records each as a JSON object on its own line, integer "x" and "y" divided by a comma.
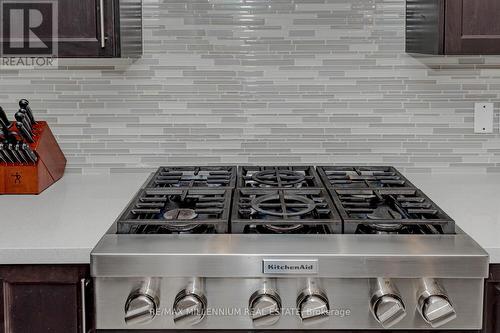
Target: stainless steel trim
{"x": 349, "y": 256}
{"x": 131, "y": 39}
{"x": 83, "y": 286}
{"x": 101, "y": 24}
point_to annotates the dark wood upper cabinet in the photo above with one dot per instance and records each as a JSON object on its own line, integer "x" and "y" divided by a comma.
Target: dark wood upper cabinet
{"x": 453, "y": 27}
{"x": 85, "y": 29}
{"x": 80, "y": 27}
{"x": 100, "y": 28}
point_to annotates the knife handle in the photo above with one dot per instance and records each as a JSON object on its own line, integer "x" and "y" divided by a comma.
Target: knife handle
{"x": 4, "y": 120}
{"x": 24, "y": 132}
{"x": 24, "y": 104}
{"x": 23, "y": 118}
{"x": 25, "y": 113}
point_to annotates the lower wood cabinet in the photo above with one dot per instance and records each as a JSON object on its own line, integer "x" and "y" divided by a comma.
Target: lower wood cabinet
{"x": 492, "y": 301}
{"x": 45, "y": 299}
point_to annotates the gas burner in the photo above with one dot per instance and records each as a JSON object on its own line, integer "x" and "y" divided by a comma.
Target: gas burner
{"x": 283, "y": 211}
{"x": 278, "y": 177}
{"x": 302, "y": 230}
{"x": 194, "y": 177}
{"x": 160, "y": 230}
{"x": 177, "y": 211}
{"x": 284, "y": 229}
{"x": 399, "y": 229}
{"x": 359, "y": 177}
{"x": 390, "y": 211}
{"x": 180, "y": 214}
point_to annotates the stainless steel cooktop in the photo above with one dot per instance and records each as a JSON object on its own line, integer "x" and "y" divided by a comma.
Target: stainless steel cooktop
{"x": 286, "y": 247}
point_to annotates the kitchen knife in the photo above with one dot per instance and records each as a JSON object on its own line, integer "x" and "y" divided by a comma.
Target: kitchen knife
{"x": 29, "y": 153}
{"x": 24, "y": 132}
{"x": 4, "y": 121}
{"x": 13, "y": 152}
{"x": 24, "y": 104}
{"x": 7, "y": 136}
{"x": 23, "y": 118}
{"x": 5, "y": 154}
{"x": 20, "y": 153}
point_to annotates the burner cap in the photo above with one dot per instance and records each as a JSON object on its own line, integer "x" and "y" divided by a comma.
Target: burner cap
{"x": 385, "y": 213}
{"x": 283, "y": 229}
{"x": 180, "y": 214}
{"x": 387, "y": 227}
{"x": 285, "y": 178}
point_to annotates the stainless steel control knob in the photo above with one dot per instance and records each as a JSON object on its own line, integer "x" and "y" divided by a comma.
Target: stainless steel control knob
{"x": 265, "y": 308}
{"x": 434, "y": 304}
{"x": 313, "y": 306}
{"x": 437, "y": 311}
{"x": 189, "y": 308}
{"x": 140, "y": 308}
{"x": 386, "y": 304}
{"x": 388, "y": 310}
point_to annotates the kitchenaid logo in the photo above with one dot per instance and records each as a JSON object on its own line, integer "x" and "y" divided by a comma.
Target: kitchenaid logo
{"x": 277, "y": 266}
{"x": 28, "y": 34}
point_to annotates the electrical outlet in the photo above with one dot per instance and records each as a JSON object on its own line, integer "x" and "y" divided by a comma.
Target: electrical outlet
{"x": 483, "y": 118}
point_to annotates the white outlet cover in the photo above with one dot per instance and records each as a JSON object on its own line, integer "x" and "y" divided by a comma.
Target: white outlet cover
{"x": 483, "y": 118}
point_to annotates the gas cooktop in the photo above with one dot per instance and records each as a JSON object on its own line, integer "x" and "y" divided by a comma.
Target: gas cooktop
{"x": 286, "y": 248}
{"x": 281, "y": 200}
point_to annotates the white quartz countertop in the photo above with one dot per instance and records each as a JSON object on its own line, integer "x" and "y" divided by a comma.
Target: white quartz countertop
{"x": 63, "y": 224}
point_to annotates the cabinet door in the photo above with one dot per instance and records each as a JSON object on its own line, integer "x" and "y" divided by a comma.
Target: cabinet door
{"x": 492, "y": 308}
{"x": 492, "y": 301}
{"x": 43, "y": 299}
{"x": 472, "y": 27}
{"x": 80, "y": 28}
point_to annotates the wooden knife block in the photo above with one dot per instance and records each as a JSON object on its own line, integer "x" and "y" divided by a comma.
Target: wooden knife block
{"x": 35, "y": 178}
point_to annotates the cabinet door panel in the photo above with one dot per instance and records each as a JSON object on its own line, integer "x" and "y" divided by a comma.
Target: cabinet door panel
{"x": 42, "y": 308}
{"x": 80, "y": 28}
{"x": 43, "y": 299}
{"x": 472, "y": 27}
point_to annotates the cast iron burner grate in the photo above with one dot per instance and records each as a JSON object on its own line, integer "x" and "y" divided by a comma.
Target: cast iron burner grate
{"x": 177, "y": 211}
{"x": 340, "y": 177}
{"x": 194, "y": 177}
{"x": 278, "y": 177}
{"x": 284, "y": 211}
{"x": 390, "y": 211}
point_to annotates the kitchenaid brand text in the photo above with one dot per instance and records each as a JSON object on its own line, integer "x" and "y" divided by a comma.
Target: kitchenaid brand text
{"x": 277, "y": 266}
